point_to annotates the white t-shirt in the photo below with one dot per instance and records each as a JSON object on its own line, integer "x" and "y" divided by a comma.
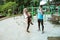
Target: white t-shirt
{"x": 25, "y": 15}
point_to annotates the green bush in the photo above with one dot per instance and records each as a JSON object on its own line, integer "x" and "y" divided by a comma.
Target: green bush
{"x": 7, "y": 5}
{"x": 4, "y": 8}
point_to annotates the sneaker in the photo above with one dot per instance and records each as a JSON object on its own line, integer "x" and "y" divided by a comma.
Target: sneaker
{"x": 28, "y": 31}
{"x": 39, "y": 30}
{"x": 32, "y": 23}
{"x": 42, "y": 32}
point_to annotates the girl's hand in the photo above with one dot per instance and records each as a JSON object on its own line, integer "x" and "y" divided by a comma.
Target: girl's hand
{"x": 29, "y": 14}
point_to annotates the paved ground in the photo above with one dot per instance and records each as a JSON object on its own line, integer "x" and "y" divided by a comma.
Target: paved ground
{"x": 15, "y": 29}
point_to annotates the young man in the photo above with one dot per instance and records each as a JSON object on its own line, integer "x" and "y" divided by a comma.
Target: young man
{"x": 40, "y": 18}
{"x": 28, "y": 18}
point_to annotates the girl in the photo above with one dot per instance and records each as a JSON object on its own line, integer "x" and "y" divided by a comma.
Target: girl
{"x": 40, "y": 18}
{"x": 28, "y": 18}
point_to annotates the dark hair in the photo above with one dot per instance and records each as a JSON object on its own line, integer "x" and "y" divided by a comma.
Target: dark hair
{"x": 41, "y": 6}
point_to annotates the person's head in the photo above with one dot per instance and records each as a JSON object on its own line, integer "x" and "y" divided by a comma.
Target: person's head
{"x": 25, "y": 10}
{"x": 40, "y": 6}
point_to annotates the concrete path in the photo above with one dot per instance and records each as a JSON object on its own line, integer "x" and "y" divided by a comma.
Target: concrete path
{"x": 15, "y": 29}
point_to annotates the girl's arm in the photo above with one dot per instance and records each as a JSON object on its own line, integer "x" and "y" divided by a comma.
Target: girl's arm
{"x": 42, "y": 11}
{"x": 29, "y": 14}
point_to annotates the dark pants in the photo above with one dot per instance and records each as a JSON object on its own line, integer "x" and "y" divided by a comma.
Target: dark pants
{"x": 29, "y": 22}
{"x": 40, "y": 21}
